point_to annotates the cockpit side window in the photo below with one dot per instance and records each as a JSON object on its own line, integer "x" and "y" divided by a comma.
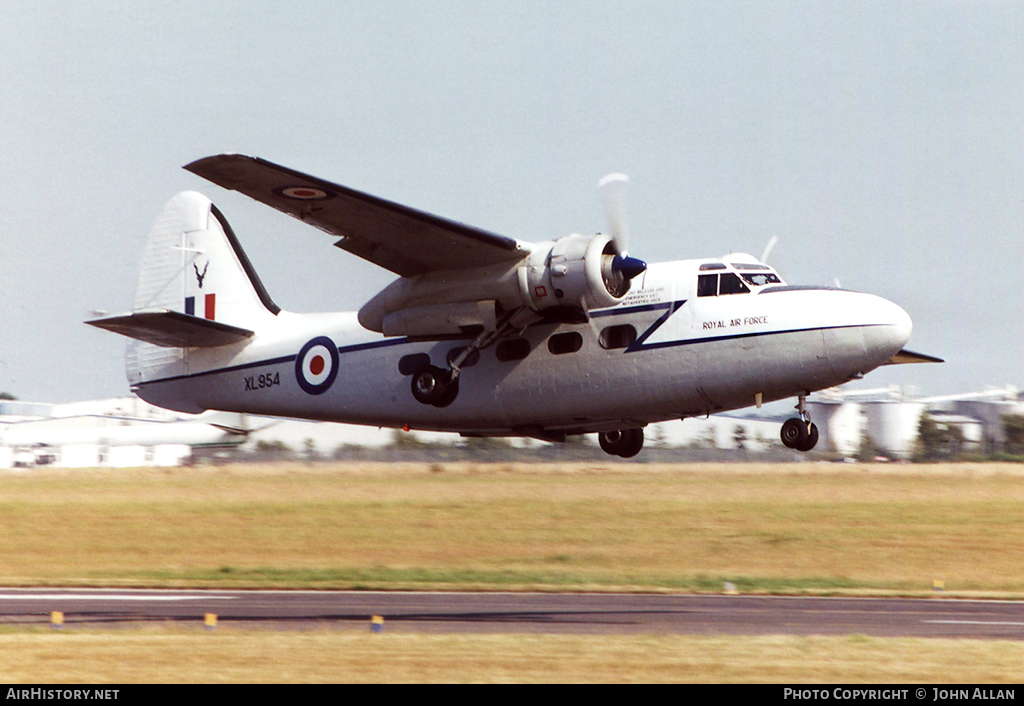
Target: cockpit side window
{"x": 731, "y": 284}
{"x": 707, "y": 285}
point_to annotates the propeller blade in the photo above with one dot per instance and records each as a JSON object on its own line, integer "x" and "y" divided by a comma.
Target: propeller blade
{"x": 768, "y": 249}
{"x": 613, "y": 196}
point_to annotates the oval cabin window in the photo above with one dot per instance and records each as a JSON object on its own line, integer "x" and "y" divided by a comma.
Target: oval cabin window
{"x": 512, "y": 349}
{"x": 621, "y": 336}
{"x": 562, "y": 343}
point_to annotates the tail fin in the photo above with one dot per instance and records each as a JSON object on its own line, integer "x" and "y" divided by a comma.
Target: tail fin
{"x": 193, "y": 264}
{"x": 196, "y": 289}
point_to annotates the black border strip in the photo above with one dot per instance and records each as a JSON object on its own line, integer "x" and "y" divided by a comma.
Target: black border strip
{"x": 275, "y": 361}
{"x": 250, "y": 271}
{"x": 634, "y": 309}
{"x": 638, "y": 346}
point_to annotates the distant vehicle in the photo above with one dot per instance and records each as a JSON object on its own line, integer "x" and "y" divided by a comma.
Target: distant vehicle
{"x": 483, "y": 334}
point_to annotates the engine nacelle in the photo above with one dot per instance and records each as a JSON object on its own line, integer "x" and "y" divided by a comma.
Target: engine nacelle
{"x": 576, "y": 273}
{"x": 560, "y": 280}
{"x": 441, "y": 319}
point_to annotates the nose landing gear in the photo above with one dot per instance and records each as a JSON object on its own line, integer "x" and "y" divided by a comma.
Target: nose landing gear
{"x": 800, "y": 433}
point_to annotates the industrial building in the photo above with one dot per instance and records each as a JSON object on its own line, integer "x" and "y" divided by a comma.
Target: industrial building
{"x": 128, "y": 432}
{"x": 122, "y": 432}
{"x": 889, "y": 418}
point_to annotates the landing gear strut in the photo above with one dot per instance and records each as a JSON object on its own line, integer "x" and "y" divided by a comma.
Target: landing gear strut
{"x": 434, "y": 386}
{"x": 800, "y": 433}
{"x": 622, "y": 442}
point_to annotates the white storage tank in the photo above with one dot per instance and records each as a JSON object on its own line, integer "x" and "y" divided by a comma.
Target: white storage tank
{"x": 893, "y": 426}
{"x": 840, "y": 425}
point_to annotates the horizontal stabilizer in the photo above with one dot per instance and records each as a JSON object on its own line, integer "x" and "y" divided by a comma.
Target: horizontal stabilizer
{"x": 905, "y": 357}
{"x": 172, "y": 329}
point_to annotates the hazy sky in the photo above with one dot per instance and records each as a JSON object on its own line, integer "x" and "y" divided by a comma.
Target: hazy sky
{"x": 882, "y": 142}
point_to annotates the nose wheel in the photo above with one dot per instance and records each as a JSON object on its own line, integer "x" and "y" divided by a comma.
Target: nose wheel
{"x": 800, "y": 433}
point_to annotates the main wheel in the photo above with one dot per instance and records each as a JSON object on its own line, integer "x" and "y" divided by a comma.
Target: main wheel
{"x": 794, "y": 433}
{"x": 430, "y": 385}
{"x": 622, "y": 442}
{"x": 634, "y": 441}
{"x": 610, "y": 441}
{"x": 450, "y": 394}
{"x": 812, "y": 438}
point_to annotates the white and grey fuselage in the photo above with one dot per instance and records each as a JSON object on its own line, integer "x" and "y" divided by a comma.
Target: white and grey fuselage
{"x": 691, "y": 338}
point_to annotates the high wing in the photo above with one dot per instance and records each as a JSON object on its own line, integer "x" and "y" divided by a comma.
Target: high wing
{"x": 401, "y": 239}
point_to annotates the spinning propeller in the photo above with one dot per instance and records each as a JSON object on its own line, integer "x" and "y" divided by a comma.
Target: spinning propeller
{"x": 623, "y": 267}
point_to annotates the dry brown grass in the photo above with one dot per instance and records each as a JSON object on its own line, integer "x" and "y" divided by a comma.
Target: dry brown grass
{"x": 161, "y": 655}
{"x": 779, "y": 527}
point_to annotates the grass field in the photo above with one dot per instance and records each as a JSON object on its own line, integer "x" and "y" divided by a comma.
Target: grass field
{"x": 794, "y": 528}
{"x": 176, "y": 655}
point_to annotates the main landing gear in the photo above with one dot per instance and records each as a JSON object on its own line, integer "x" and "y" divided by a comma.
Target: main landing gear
{"x": 431, "y": 385}
{"x": 622, "y": 442}
{"x": 435, "y": 386}
{"x": 800, "y": 433}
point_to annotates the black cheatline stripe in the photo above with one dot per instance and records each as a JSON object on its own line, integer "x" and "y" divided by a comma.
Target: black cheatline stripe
{"x": 672, "y": 308}
{"x": 633, "y": 309}
{"x": 711, "y": 339}
{"x": 275, "y": 361}
{"x": 638, "y": 346}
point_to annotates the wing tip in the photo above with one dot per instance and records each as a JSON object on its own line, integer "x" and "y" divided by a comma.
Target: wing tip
{"x": 219, "y": 168}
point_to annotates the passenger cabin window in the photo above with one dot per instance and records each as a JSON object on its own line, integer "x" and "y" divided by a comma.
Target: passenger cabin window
{"x": 621, "y": 336}
{"x": 512, "y": 349}
{"x": 409, "y": 364}
{"x": 569, "y": 342}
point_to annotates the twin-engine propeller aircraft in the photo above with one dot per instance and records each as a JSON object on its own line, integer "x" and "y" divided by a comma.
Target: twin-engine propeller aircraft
{"x": 483, "y": 334}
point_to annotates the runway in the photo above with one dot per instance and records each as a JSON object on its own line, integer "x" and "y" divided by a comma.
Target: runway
{"x": 525, "y": 612}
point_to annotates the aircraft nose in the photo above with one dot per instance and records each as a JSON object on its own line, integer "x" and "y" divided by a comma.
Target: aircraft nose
{"x": 892, "y": 327}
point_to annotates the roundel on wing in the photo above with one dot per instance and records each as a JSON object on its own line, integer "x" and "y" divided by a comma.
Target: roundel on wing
{"x": 316, "y": 366}
{"x": 303, "y": 193}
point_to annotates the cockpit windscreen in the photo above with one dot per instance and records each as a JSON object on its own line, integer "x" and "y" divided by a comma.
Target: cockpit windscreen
{"x": 759, "y": 279}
